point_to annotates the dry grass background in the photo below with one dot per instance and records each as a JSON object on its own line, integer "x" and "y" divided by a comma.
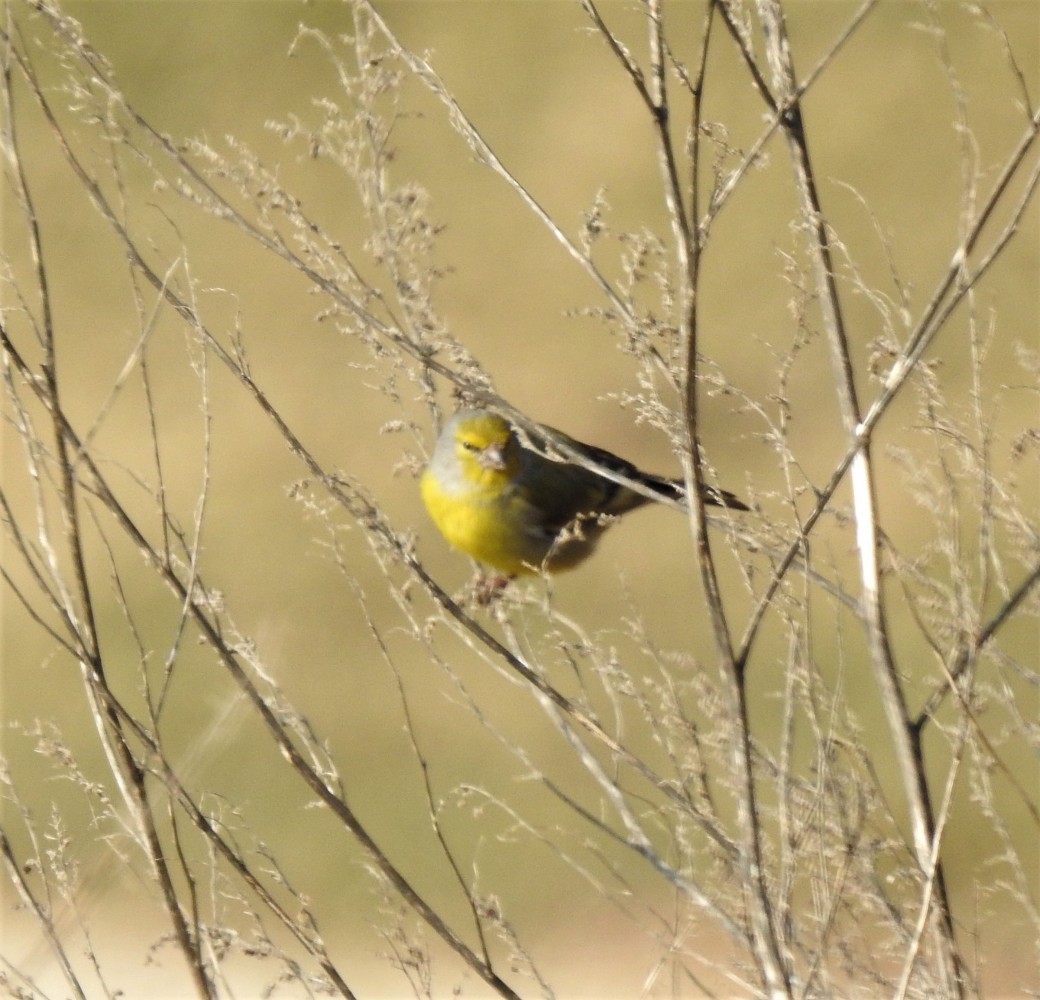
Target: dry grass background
{"x": 551, "y": 102}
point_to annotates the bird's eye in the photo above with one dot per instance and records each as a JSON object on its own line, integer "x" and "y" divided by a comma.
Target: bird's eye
{"x": 470, "y": 445}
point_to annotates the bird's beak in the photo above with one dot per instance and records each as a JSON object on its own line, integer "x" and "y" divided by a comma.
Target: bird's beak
{"x": 493, "y": 457}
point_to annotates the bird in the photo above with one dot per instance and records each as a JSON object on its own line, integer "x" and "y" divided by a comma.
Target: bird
{"x": 520, "y": 512}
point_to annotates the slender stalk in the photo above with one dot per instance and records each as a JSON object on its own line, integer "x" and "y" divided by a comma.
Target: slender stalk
{"x": 764, "y": 941}
{"x": 128, "y": 774}
{"x": 907, "y": 749}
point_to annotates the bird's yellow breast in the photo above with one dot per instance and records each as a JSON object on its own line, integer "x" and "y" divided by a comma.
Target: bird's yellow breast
{"x": 497, "y": 526}
{"x": 473, "y": 522}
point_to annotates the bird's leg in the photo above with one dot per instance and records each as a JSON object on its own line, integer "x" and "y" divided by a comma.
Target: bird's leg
{"x": 486, "y": 589}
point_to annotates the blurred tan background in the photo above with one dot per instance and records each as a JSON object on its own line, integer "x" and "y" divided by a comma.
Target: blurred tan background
{"x": 552, "y": 103}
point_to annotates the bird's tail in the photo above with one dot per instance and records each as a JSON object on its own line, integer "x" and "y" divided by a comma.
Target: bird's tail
{"x": 675, "y": 489}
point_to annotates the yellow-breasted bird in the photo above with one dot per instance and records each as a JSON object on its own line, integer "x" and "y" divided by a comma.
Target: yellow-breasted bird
{"x": 520, "y": 512}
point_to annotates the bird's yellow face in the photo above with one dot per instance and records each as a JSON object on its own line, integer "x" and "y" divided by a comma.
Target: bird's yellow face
{"x": 488, "y": 453}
